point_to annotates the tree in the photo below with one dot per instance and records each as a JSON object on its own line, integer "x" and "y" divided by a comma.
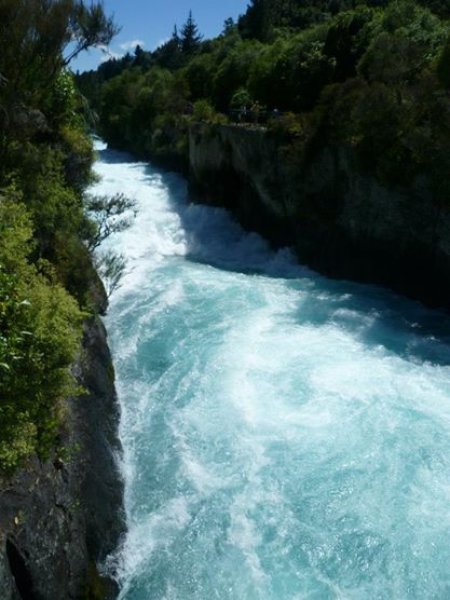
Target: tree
{"x": 169, "y": 54}
{"x": 38, "y": 39}
{"x": 141, "y": 58}
{"x": 190, "y": 37}
{"x": 111, "y": 268}
{"x": 255, "y": 23}
{"x": 228, "y": 26}
{"x": 108, "y": 216}
{"x": 88, "y": 27}
{"x": 175, "y": 37}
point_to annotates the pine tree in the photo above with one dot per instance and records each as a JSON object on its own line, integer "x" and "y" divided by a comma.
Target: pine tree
{"x": 228, "y": 26}
{"x": 169, "y": 54}
{"x": 190, "y": 37}
{"x": 139, "y": 57}
{"x": 175, "y": 37}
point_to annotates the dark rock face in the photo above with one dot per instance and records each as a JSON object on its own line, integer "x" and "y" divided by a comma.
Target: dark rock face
{"x": 341, "y": 221}
{"x": 58, "y": 518}
{"x": 101, "y": 485}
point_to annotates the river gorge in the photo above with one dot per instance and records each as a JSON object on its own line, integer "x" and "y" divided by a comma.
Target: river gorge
{"x": 286, "y": 436}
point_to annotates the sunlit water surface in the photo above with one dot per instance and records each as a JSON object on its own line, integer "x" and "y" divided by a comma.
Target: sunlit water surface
{"x": 285, "y": 436}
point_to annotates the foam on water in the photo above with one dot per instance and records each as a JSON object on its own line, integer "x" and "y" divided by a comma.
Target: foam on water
{"x": 285, "y": 436}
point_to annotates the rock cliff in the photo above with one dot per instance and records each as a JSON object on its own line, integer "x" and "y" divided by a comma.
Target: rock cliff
{"x": 340, "y": 220}
{"x": 59, "y": 518}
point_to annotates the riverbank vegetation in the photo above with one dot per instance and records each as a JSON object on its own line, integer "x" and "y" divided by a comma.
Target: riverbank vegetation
{"x": 48, "y": 285}
{"x": 373, "y": 75}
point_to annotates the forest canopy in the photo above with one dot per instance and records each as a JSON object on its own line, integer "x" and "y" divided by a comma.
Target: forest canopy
{"x": 372, "y": 74}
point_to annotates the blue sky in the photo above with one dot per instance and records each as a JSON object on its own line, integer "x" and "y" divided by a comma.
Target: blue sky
{"x": 150, "y": 23}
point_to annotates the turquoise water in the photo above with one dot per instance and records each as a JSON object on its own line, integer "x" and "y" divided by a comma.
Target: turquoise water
{"x": 285, "y": 436}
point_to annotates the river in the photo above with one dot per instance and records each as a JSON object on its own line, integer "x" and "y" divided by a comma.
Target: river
{"x": 285, "y": 436}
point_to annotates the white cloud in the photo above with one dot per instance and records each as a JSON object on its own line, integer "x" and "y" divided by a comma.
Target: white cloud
{"x": 131, "y": 45}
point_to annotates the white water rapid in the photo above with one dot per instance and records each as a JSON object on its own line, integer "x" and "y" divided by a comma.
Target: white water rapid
{"x": 285, "y": 436}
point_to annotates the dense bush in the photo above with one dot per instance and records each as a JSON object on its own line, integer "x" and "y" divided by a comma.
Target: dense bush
{"x": 40, "y": 331}
{"x": 47, "y": 281}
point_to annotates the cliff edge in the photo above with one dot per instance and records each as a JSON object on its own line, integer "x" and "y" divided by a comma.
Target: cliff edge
{"x": 340, "y": 220}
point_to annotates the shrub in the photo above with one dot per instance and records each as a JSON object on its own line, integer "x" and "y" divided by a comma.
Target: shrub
{"x": 40, "y": 333}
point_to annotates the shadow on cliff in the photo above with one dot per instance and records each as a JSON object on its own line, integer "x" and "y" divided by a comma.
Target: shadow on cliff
{"x": 375, "y": 315}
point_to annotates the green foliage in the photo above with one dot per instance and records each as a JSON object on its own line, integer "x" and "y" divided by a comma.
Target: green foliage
{"x": 39, "y": 38}
{"x": 264, "y": 17}
{"x": 346, "y": 40}
{"x": 108, "y": 215}
{"x": 439, "y": 7}
{"x": 190, "y": 37}
{"x": 291, "y": 74}
{"x": 46, "y": 271}
{"x": 78, "y": 156}
{"x": 64, "y": 100}
{"x": 229, "y": 27}
{"x": 168, "y": 55}
{"x": 40, "y": 332}
{"x": 111, "y": 266}
{"x": 241, "y": 98}
{"x": 146, "y": 112}
{"x": 204, "y": 111}
{"x": 233, "y": 72}
{"x": 288, "y": 126}
{"x": 198, "y": 75}
{"x": 372, "y": 74}
{"x": 410, "y": 34}
{"x": 256, "y": 23}
{"x": 443, "y": 65}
